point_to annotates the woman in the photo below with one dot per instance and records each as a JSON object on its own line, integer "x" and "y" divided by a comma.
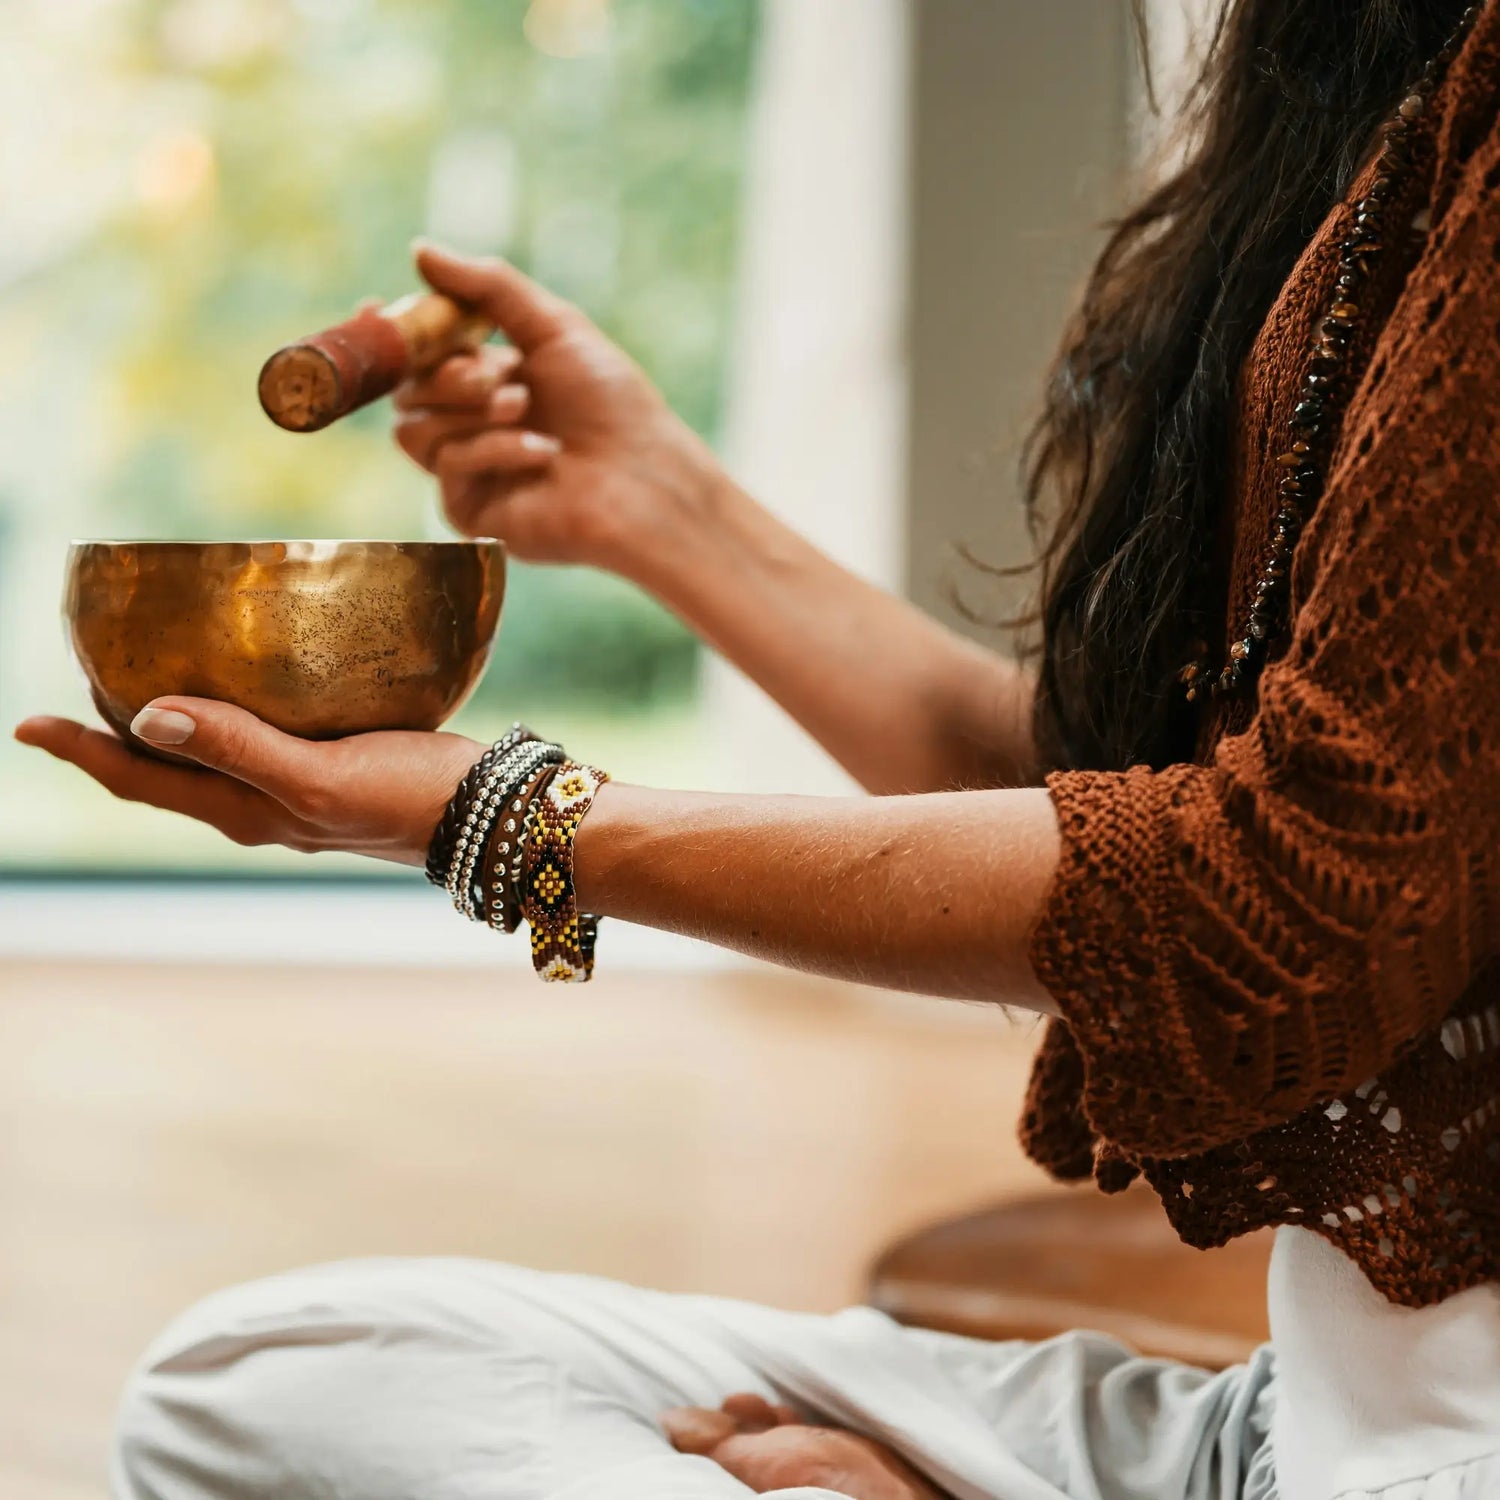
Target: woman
{"x": 1257, "y": 890}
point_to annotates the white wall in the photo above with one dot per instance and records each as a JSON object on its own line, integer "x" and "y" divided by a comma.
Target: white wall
{"x": 1021, "y": 136}
{"x": 817, "y": 399}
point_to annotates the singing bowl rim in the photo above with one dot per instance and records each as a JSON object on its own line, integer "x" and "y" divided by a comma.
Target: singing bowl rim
{"x": 321, "y": 543}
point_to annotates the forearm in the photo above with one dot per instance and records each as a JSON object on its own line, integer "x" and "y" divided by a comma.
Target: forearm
{"x": 934, "y": 894}
{"x": 904, "y": 704}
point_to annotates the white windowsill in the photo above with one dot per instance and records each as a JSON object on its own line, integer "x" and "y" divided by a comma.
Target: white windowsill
{"x": 302, "y": 924}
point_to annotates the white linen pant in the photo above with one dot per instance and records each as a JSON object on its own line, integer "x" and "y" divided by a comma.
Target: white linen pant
{"x": 463, "y": 1380}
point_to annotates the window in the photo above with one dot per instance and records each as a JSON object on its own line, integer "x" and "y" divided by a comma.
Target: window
{"x": 188, "y": 184}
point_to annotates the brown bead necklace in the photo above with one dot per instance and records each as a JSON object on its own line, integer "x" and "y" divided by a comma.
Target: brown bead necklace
{"x": 1326, "y": 385}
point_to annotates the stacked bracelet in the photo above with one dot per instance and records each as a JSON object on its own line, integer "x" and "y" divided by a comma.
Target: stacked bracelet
{"x": 445, "y": 835}
{"x": 562, "y": 937}
{"x": 508, "y": 850}
{"x": 503, "y": 849}
{"x": 513, "y": 771}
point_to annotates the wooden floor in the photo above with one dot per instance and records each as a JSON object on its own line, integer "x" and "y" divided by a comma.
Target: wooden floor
{"x": 164, "y": 1131}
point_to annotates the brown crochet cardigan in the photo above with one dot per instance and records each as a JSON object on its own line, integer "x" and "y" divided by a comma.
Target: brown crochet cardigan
{"x": 1278, "y": 968}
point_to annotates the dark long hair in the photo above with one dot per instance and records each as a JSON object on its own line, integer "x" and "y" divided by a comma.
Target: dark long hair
{"x": 1127, "y": 466}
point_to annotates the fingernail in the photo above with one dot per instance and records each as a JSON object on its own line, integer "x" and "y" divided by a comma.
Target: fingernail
{"x": 539, "y": 442}
{"x": 162, "y": 726}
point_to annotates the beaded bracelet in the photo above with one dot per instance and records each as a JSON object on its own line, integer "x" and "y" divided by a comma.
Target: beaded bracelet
{"x": 445, "y": 835}
{"x": 497, "y": 803}
{"x": 562, "y": 938}
{"x": 504, "y": 849}
{"x": 473, "y": 831}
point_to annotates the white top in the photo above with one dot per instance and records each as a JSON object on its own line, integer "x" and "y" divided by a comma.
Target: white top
{"x": 1370, "y": 1394}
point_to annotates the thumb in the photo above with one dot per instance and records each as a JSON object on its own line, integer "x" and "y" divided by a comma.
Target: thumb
{"x": 228, "y": 739}
{"x": 524, "y": 311}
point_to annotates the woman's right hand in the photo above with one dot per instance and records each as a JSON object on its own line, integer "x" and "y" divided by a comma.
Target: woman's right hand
{"x": 562, "y": 447}
{"x": 559, "y": 444}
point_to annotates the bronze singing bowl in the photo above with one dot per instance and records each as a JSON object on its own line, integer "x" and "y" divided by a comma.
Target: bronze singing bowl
{"x": 321, "y": 639}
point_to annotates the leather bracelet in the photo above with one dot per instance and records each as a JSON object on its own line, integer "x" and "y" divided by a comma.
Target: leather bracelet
{"x": 507, "y": 853}
{"x": 562, "y": 937}
{"x": 445, "y": 835}
{"x": 514, "y": 770}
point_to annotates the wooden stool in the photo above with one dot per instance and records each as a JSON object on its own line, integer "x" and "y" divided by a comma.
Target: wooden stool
{"x": 1079, "y": 1259}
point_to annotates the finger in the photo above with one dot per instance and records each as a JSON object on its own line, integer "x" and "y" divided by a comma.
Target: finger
{"x": 496, "y": 452}
{"x": 486, "y": 504}
{"x": 220, "y": 737}
{"x": 422, "y": 433}
{"x": 522, "y": 510}
{"x": 234, "y": 809}
{"x": 527, "y": 313}
{"x": 696, "y": 1429}
{"x": 753, "y": 1413}
{"x": 478, "y": 506}
{"x": 788, "y": 1458}
{"x": 461, "y": 380}
{"x": 518, "y": 508}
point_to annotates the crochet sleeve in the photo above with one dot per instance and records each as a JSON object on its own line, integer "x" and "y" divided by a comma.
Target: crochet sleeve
{"x": 1230, "y": 943}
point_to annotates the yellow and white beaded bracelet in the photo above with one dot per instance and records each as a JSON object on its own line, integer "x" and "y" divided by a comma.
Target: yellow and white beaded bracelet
{"x": 562, "y": 937}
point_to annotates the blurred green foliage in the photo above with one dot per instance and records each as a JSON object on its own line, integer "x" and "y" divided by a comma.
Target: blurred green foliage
{"x": 570, "y": 635}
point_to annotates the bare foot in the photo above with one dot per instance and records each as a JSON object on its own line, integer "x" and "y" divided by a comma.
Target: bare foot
{"x": 769, "y": 1448}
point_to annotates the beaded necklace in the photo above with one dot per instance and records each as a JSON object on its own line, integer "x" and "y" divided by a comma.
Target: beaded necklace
{"x": 1327, "y": 383}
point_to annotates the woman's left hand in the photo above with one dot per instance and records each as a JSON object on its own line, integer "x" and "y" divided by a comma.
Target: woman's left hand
{"x": 375, "y": 794}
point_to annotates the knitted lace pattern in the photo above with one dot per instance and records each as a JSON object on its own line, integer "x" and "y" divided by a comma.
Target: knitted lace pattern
{"x": 1278, "y": 967}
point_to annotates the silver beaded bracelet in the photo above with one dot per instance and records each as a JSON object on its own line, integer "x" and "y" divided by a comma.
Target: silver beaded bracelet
{"x": 508, "y": 777}
{"x": 470, "y": 833}
{"x": 476, "y": 823}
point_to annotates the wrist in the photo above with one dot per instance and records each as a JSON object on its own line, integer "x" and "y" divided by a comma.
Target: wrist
{"x": 684, "y": 527}
{"x": 727, "y": 556}
{"x": 597, "y": 847}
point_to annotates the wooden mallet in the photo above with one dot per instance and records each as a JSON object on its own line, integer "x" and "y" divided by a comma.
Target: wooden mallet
{"x": 319, "y": 379}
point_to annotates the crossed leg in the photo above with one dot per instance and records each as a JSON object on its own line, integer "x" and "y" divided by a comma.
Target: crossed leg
{"x": 466, "y": 1380}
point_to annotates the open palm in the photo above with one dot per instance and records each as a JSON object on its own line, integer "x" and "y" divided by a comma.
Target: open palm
{"x": 378, "y": 794}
